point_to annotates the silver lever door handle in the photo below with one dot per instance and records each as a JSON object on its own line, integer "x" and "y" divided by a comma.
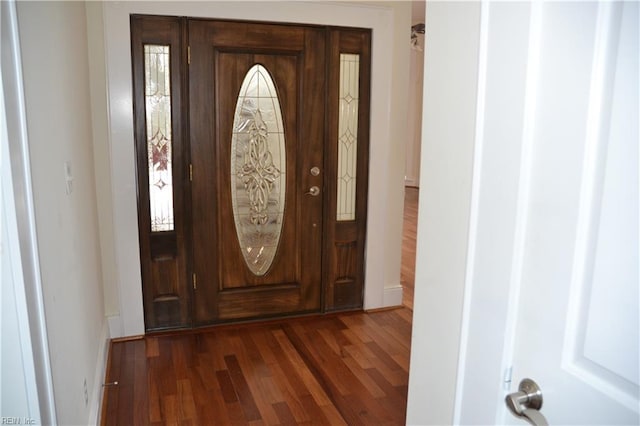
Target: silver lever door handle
{"x": 527, "y": 402}
{"x": 314, "y": 191}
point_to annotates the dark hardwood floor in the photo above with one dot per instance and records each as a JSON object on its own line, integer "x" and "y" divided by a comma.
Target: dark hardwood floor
{"x": 408, "y": 267}
{"x": 349, "y": 368}
{"x": 337, "y": 369}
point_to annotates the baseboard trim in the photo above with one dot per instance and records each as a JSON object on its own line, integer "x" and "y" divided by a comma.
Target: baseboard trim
{"x": 98, "y": 379}
{"x": 411, "y": 182}
{"x": 392, "y": 296}
{"x": 387, "y": 309}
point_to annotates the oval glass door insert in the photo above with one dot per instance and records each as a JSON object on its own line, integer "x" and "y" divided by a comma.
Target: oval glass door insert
{"x": 258, "y": 166}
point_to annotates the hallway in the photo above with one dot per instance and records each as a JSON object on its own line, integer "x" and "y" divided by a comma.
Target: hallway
{"x": 349, "y": 368}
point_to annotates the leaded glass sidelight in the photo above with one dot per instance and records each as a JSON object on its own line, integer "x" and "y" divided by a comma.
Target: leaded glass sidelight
{"x": 157, "y": 94}
{"x": 258, "y": 169}
{"x": 348, "y": 136}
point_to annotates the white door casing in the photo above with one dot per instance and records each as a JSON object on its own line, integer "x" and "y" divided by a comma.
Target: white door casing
{"x": 551, "y": 281}
{"x": 27, "y": 381}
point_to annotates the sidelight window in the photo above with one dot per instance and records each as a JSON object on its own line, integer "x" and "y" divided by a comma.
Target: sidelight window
{"x": 157, "y": 94}
{"x": 348, "y": 136}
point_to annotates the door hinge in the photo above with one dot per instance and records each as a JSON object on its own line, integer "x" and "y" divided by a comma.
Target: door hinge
{"x": 190, "y": 172}
{"x": 195, "y": 282}
{"x": 506, "y": 379}
{"x": 189, "y": 55}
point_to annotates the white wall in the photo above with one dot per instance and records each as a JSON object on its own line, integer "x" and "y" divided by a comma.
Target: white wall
{"x": 448, "y": 135}
{"x": 56, "y": 79}
{"x": 390, "y": 69}
{"x": 101, "y": 152}
{"x": 414, "y": 113}
{"x": 388, "y": 191}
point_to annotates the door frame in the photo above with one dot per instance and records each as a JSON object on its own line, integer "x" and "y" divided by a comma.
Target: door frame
{"x": 21, "y": 245}
{"x": 382, "y": 274}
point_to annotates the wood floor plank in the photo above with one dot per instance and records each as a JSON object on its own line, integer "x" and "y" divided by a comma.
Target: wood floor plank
{"x": 151, "y": 347}
{"x": 206, "y": 372}
{"x": 386, "y": 338}
{"x": 293, "y": 390}
{"x": 285, "y": 416}
{"x": 383, "y": 356}
{"x": 216, "y": 411}
{"x": 317, "y": 414}
{"x": 329, "y": 363}
{"x": 262, "y": 398}
{"x": 374, "y": 356}
{"x": 253, "y": 355}
{"x": 167, "y": 380}
{"x": 361, "y": 374}
{"x": 111, "y": 392}
{"x": 187, "y": 406}
{"x": 180, "y": 345}
{"x": 296, "y": 338}
{"x": 253, "y": 365}
{"x": 359, "y": 354}
{"x": 125, "y": 386}
{"x": 198, "y": 388}
{"x": 226, "y": 386}
{"x": 153, "y": 396}
{"x": 140, "y": 384}
{"x": 308, "y": 378}
{"x": 241, "y": 387}
{"x": 285, "y": 371}
{"x": 169, "y": 406}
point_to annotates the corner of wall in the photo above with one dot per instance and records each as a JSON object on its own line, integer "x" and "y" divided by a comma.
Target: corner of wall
{"x": 115, "y": 326}
{"x": 102, "y": 152}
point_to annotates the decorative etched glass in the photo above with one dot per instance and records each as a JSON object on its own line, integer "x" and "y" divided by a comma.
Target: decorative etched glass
{"x": 348, "y": 136}
{"x": 258, "y": 170}
{"x": 157, "y": 94}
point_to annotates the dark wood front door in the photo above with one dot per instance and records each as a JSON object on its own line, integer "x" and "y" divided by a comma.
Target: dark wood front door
{"x": 252, "y": 161}
{"x": 222, "y": 56}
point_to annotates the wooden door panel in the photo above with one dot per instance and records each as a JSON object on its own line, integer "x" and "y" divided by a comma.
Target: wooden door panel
{"x": 203, "y": 155}
{"x": 254, "y": 303}
{"x": 221, "y": 55}
{"x": 344, "y": 255}
{"x": 249, "y": 35}
{"x": 312, "y": 134}
{"x": 231, "y": 69}
{"x": 163, "y": 254}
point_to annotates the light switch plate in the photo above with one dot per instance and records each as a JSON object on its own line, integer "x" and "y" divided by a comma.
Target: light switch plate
{"x": 68, "y": 177}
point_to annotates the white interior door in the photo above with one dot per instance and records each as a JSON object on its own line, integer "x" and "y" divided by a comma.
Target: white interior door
{"x": 577, "y": 311}
{"x": 527, "y": 249}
